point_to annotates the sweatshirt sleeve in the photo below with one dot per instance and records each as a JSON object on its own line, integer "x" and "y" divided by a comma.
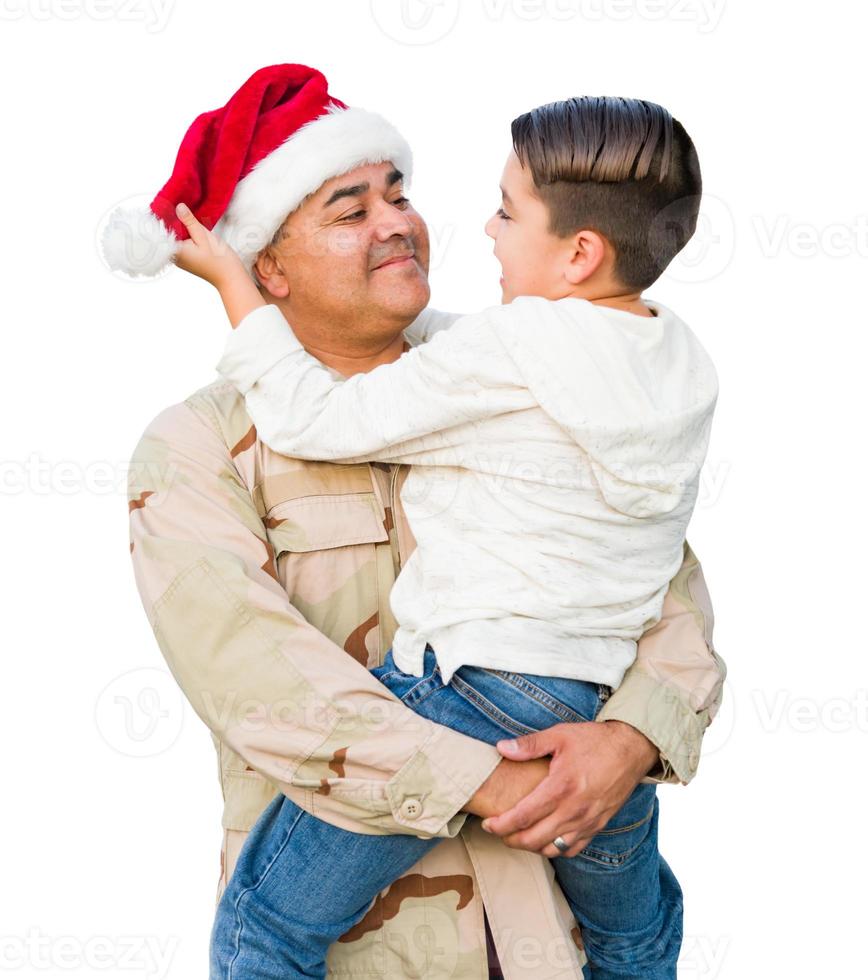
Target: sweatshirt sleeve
{"x": 303, "y": 409}
{"x": 428, "y": 323}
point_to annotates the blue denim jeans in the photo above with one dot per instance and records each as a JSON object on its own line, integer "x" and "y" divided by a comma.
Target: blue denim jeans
{"x": 301, "y": 883}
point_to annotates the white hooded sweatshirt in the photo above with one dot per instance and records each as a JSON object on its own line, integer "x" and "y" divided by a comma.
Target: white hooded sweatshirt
{"x": 555, "y": 450}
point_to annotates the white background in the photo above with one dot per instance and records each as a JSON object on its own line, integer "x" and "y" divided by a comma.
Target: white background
{"x": 110, "y": 808}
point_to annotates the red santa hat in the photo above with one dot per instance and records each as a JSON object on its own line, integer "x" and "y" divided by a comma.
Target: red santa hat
{"x": 243, "y": 168}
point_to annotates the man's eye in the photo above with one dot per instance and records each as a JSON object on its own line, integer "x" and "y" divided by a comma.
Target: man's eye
{"x": 401, "y": 202}
{"x": 350, "y": 217}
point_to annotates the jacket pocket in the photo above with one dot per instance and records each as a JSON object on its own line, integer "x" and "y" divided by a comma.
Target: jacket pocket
{"x": 331, "y": 551}
{"x": 320, "y": 506}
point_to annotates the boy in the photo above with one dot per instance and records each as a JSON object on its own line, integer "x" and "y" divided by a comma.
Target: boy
{"x": 523, "y": 601}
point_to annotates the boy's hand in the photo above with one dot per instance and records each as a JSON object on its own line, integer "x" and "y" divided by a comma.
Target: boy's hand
{"x": 205, "y": 254}
{"x": 507, "y": 786}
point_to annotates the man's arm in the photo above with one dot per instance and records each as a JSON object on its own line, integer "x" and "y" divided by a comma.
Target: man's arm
{"x": 272, "y": 687}
{"x": 649, "y": 730}
{"x": 673, "y": 690}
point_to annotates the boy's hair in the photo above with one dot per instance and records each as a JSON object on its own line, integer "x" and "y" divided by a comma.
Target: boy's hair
{"x": 621, "y": 167}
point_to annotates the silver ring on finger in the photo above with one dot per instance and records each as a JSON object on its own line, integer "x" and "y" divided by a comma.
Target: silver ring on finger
{"x": 561, "y": 844}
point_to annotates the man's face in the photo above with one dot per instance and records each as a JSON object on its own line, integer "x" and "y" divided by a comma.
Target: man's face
{"x": 530, "y": 256}
{"x": 355, "y": 253}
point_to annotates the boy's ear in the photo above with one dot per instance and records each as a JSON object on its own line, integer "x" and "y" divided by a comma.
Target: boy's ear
{"x": 270, "y": 275}
{"x": 589, "y": 252}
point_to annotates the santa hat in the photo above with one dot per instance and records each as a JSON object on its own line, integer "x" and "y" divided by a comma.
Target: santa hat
{"x": 243, "y": 168}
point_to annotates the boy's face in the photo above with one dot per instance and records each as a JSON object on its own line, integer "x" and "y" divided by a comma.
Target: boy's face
{"x": 531, "y": 257}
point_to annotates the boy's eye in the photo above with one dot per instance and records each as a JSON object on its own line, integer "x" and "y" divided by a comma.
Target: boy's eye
{"x": 502, "y": 214}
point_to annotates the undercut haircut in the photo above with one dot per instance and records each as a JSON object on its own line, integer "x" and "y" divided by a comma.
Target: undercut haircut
{"x": 621, "y": 167}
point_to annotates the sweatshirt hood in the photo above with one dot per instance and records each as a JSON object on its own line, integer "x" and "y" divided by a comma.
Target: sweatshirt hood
{"x": 637, "y": 394}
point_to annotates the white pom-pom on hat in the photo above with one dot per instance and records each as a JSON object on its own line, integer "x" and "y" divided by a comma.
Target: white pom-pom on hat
{"x": 136, "y": 242}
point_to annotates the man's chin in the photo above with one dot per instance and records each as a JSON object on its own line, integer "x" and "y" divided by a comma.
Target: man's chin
{"x": 405, "y": 296}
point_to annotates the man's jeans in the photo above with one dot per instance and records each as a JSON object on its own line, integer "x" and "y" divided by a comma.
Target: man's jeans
{"x": 301, "y": 883}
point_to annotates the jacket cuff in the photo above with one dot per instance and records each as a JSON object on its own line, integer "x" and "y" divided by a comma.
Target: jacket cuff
{"x": 664, "y": 716}
{"x": 426, "y": 795}
{"x": 261, "y": 340}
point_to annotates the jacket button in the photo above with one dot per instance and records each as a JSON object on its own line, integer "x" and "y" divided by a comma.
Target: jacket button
{"x": 411, "y": 808}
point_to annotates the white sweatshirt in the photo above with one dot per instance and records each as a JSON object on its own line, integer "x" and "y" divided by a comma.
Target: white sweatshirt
{"x": 556, "y": 450}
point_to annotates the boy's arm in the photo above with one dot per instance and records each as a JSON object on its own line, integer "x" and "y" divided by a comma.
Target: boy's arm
{"x": 428, "y": 323}
{"x": 394, "y": 412}
{"x": 674, "y": 689}
{"x": 206, "y": 255}
{"x": 281, "y": 694}
{"x": 300, "y": 409}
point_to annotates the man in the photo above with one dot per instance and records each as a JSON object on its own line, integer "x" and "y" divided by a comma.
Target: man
{"x": 266, "y": 579}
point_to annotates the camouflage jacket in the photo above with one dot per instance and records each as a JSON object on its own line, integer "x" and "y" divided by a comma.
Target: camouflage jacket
{"x": 266, "y": 581}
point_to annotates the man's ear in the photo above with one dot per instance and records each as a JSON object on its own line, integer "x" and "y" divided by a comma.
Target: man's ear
{"x": 589, "y": 251}
{"x": 270, "y": 275}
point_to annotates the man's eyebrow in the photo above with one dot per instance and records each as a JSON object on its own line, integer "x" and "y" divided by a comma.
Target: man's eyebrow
{"x": 355, "y": 191}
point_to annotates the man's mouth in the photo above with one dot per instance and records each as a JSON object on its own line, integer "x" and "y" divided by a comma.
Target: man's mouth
{"x": 396, "y": 260}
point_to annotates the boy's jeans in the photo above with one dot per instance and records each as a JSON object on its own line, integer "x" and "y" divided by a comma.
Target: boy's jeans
{"x": 301, "y": 883}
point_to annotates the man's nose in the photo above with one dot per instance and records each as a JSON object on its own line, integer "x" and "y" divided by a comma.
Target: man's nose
{"x": 391, "y": 221}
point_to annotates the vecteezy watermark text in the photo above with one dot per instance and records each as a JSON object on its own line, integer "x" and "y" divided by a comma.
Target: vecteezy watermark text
{"x": 420, "y": 22}
{"x": 147, "y": 956}
{"x": 154, "y": 14}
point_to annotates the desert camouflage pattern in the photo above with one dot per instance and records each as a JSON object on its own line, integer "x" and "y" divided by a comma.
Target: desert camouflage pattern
{"x": 266, "y": 583}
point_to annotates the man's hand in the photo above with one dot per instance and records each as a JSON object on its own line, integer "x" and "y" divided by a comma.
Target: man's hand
{"x": 207, "y": 256}
{"x": 594, "y": 768}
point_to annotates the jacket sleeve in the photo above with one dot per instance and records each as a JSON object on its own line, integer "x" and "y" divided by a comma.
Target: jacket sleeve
{"x": 291, "y": 703}
{"x": 674, "y": 688}
{"x": 394, "y": 412}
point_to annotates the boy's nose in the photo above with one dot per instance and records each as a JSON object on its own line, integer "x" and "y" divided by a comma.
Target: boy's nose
{"x": 490, "y": 226}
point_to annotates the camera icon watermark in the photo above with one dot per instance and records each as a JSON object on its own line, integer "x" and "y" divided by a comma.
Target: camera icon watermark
{"x": 130, "y": 229}
{"x": 415, "y": 22}
{"x": 140, "y": 713}
{"x": 709, "y": 252}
